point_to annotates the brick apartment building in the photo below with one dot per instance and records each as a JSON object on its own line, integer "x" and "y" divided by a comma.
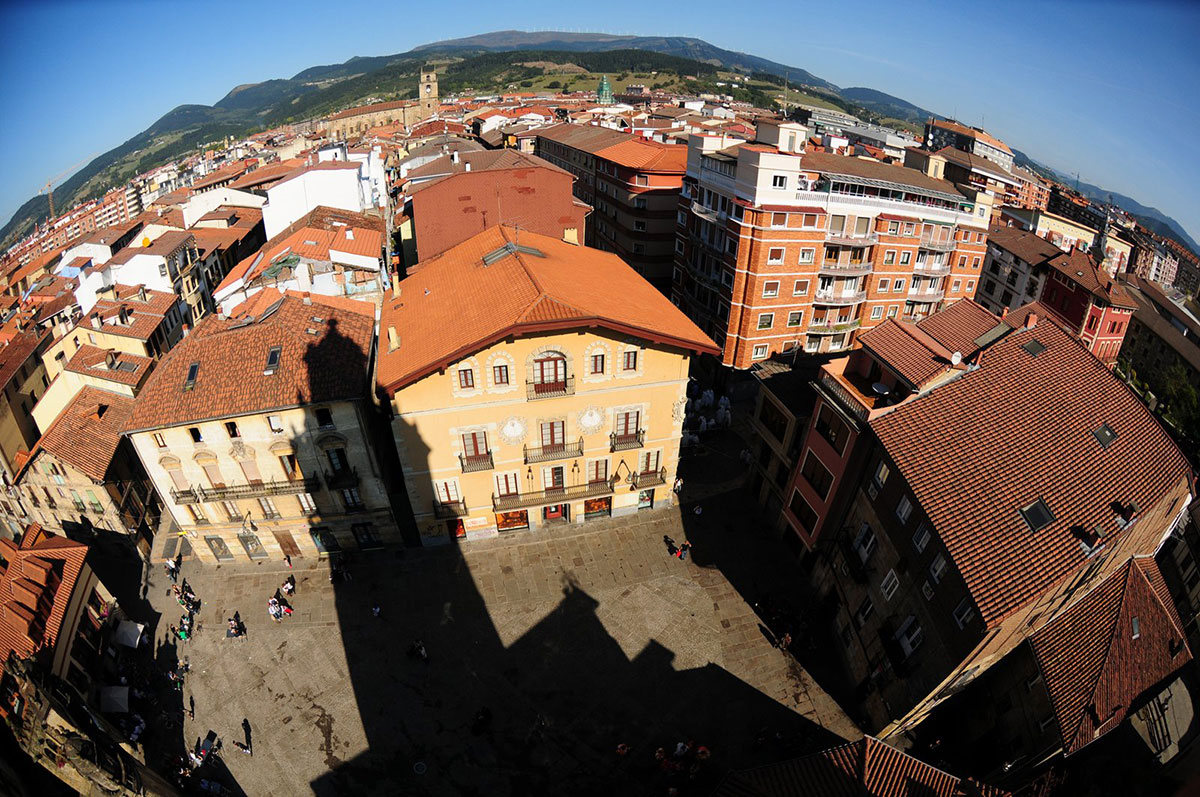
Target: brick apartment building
{"x": 939, "y": 562}
{"x": 941, "y": 133}
{"x": 1068, "y": 286}
{"x": 781, "y": 249}
{"x": 633, "y": 185}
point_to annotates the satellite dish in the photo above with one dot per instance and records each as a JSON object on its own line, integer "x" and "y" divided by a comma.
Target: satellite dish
{"x": 956, "y": 358}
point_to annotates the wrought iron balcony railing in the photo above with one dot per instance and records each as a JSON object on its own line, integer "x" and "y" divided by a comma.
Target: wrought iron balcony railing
{"x": 535, "y": 454}
{"x": 650, "y": 478}
{"x": 553, "y": 495}
{"x": 473, "y": 463}
{"x": 625, "y": 442}
{"x": 552, "y": 389}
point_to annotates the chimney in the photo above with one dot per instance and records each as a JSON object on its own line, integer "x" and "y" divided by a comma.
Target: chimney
{"x": 1031, "y": 321}
{"x": 1004, "y": 314}
{"x": 95, "y": 320}
{"x": 186, "y": 329}
{"x": 142, "y": 293}
{"x": 349, "y": 234}
{"x": 393, "y": 339}
{"x": 307, "y": 299}
{"x": 395, "y": 285}
{"x": 110, "y": 360}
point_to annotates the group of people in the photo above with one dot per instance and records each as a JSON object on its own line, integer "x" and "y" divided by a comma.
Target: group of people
{"x": 683, "y": 762}
{"x": 191, "y": 607}
{"x": 278, "y": 606}
{"x": 237, "y": 629}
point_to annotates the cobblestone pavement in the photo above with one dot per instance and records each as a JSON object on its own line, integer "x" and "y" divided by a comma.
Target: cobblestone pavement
{"x": 576, "y": 639}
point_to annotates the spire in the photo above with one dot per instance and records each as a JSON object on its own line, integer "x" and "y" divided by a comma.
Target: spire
{"x": 604, "y": 92}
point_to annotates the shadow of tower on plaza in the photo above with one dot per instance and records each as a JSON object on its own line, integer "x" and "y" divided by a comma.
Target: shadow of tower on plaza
{"x": 562, "y": 693}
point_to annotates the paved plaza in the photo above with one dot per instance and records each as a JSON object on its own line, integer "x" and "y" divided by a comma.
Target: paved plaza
{"x": 576, "y": 639}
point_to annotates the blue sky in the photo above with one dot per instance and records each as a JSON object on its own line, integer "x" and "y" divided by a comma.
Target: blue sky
{"x": 1109, "y": 90}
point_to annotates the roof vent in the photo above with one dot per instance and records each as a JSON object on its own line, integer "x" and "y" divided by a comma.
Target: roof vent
{"x": 1104, "y": 435}
{"x": 1034, "y": 347}
{"x": 1031, "y": 321}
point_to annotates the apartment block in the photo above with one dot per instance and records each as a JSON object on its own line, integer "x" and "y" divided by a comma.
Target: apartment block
{"x": 255, "y": 432}
{"x": 941, "y": 133}
{"x": 780, "y": 249}
{"x": 633, "y": 186}
{"x": 533, "y": 382}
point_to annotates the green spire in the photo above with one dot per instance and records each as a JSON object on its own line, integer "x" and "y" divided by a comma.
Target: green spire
{"x": 604, "y": 92}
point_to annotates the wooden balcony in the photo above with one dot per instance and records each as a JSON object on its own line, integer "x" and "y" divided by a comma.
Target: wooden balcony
{"x": 474, "y": 463}
{"x": 551, "y": 453}
{"x": 554, "y": 495}
{"x": 625, "y": 442}
{"x": 544, "y": 390}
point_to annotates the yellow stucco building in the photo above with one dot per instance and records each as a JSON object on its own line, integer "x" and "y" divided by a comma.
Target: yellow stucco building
{"x": 532, "y": 381}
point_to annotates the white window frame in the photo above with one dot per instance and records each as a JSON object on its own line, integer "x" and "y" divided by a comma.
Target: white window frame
{"x": 768, "y": 292}
{"x": 938, "y": 568}
{"x": 866, "y": 542}
{"x": 964, "y": 613}
{"x": 884, "y": 284}
{"x": 889, "y": 257}
{"x": 877, "y": 312}
{"x": 905, "y": 258}
{"x": 889, "y": 585}
{"x": 779, "y": 181}
{"x": 921, "y": 537}
{"x": 770, "y": 320}
{"x": 760, "y": 352}
{"x": 909, "y": 638}
{"x": 797, "y": 290}
{"x": 807, "y": 255}
{"x": 798, "y": 315}
{"x": 904, "y": 509}
{"x": 898, "y": 286}
{"x": 772, "y": 260}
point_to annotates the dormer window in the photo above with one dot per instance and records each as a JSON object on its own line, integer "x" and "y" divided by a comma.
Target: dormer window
{"x": 190, "y": 382}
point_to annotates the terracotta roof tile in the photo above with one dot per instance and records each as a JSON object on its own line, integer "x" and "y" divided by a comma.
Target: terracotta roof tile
{"x": 127, "y": 369}
{"x": 865, "y": 767}
{"x": 827, "y": 163}
{"x": 911, "y": 353}
{"x": 959, "y": 325}
{"x": 1037, "y": 442}
{"x": 330, "y": 365}
{"x": 30, "y": 622}
{"x": 455, "y": 304}
{"x": 86, "y": 433}
{"x": 1094, "y": 666}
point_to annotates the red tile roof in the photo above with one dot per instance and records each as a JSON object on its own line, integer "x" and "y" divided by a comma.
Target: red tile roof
{"x": 376, "y": 108}
{"x": 865, "y": 168}
{"x": 35, "y": 589}
{"x": 1083, "y": 271}
{"x": 86, "y": 433}
{"x": 455, "y": 304}
{"x": 145, "y": 309}
{"x": 15, "y": 352}
{"x": 325, "y": 357}
{"x": 920, "y": 351}
{"x": 1094, "y": 668}
{"x": 911, "y": 353}
{"x": 127, "y": 369}
{"x": 314, "y": 236}
{"x": 972, "y": 477}
{"x": 959, "y": 325}
{"x": 865, "y": 767}
{"x": 448, "y": 211}
{"x": 624, "y": 149}
{"x": 266, "y": 175}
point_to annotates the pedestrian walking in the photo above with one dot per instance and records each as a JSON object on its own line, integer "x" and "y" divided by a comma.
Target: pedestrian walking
{"x": 678, "y": 486}
{"x": 172, "y": 570}
{"x": 274, "y": 610}
{"x": 288, "y": 561}
{"x": 242, "y": 747}
{"x": 191, "y": 707}
{"x": 288, "y": 587}
{"x": 683, "y": 550}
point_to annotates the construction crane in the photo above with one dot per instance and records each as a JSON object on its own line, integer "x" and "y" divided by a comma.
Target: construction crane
{"x": 48, "y": 190}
